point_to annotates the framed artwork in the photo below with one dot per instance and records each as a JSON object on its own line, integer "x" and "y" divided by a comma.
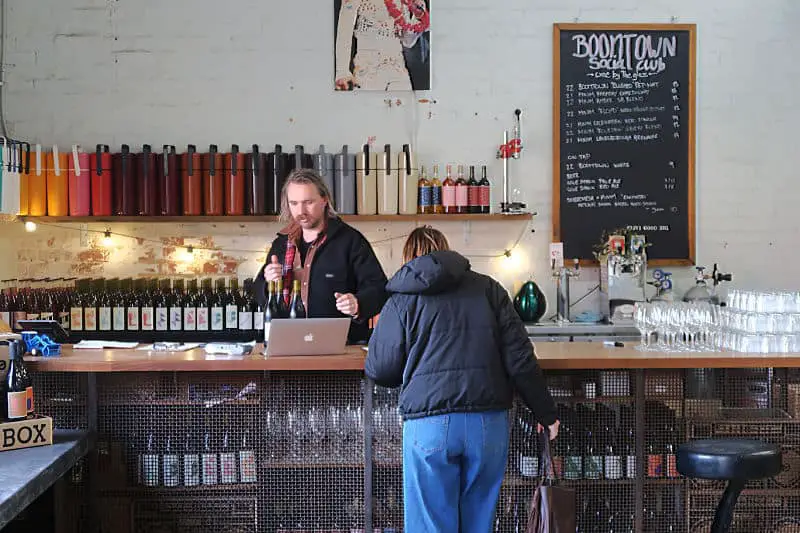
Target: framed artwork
{"x": 382, "y": 45}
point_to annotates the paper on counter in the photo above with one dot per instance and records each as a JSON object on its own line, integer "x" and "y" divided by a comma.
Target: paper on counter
{"x": 177, "y": 348}
{"x": 97, "y": 345}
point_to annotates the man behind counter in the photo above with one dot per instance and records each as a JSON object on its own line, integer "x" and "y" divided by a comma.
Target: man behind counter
{"x": 338, "y": 271}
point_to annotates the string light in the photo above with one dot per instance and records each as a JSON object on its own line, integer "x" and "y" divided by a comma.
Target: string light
{"x": 108, "y": 241}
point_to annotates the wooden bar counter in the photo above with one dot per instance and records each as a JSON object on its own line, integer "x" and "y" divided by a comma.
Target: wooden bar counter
{"x": 552, "y": 356}
{"x": 325, "y": 442}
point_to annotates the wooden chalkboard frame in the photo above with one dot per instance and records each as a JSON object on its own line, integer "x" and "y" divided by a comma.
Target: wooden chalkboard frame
{"x": 691, "y": 101}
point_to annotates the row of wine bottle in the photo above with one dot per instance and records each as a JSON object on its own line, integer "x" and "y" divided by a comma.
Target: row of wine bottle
{"x": 148, "y": 304}
{"x": 215, "y": 183}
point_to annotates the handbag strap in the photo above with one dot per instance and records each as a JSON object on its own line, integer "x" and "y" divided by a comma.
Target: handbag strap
{"x": 547, "y": 475}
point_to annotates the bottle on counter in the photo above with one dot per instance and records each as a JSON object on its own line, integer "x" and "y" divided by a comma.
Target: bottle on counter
{"x": 17, "y": 386}
{"x": 436, "y": 192}
{"x": 296, "y": 307}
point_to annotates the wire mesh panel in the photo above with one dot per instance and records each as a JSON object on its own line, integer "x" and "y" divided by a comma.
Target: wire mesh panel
{"x": 746, "y": 403}
{"x": 231, "y": 452}
{"x": 387, "y": 450}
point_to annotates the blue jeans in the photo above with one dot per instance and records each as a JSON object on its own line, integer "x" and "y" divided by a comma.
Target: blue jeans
{"x": 453, "y": 466}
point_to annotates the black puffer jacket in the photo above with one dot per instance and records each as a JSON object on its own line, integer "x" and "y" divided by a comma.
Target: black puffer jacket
{"x": 450, "y": 338}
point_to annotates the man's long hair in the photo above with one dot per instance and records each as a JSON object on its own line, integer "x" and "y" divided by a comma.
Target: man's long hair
{"x": 306, "y": 176}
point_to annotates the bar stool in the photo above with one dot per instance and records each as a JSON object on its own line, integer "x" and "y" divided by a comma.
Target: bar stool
{"x": 736, "y": 461}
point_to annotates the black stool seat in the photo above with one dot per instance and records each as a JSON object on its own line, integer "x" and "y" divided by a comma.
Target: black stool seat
{"x": 728, "y": 459}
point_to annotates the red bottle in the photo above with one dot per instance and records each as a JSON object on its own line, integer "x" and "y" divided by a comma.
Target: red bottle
{"x": 149, "y": 194}
{"x": 124, "y": 180}
{"x": 169, "y": 181}
{"x": 100, "y": 175}
{"x": 234, "y": 182}
{"x": 191, "y": 181}
{"x": 213, "y": 182}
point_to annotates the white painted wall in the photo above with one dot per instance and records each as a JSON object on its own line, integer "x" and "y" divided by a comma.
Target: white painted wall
{"x": 246, "y": 71}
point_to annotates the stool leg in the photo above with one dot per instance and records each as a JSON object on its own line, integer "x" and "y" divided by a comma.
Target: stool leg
{"x": 724, "y": 514}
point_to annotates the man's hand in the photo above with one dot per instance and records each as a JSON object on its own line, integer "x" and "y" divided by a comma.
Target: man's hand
{"x": 274, "y": 270}
{"x": 552, "y": 429}
{"x": 346, "y": 303}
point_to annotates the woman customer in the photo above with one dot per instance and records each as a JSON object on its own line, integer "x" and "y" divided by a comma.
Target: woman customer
{"x": 452, "y": 341}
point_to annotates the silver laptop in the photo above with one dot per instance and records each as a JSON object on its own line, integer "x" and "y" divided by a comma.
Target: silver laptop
{"x": 307, "y": 336}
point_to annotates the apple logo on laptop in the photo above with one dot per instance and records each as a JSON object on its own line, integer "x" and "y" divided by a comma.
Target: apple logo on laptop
{"x": 309, "y": 337}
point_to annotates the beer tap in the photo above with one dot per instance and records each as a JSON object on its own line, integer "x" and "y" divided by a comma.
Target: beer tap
{"x": 562, "y": 275}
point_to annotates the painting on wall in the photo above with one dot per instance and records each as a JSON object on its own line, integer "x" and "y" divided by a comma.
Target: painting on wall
{"x": 382, "y": 45}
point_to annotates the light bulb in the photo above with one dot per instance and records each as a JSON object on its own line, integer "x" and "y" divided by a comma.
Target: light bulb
{"x": 30, "y": 226}
{"x": 107, "y": 240}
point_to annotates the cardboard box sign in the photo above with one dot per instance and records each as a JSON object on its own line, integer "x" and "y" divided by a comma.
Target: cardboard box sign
{"x": 26, "y": 433}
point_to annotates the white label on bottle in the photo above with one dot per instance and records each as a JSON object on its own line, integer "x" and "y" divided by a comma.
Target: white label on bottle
{"x": 191, "y": 470}
{"x": 175, "y": 318}
{"x": 119, "y": 319}
{"x": 189, "y": 318}
{"x": 133, "y": 318}
{"x": 76, "y": 318}
{"x": 258, "y": 320}
{"x": 5, "y": 316}
{"x": 227, "y": 467}
{"x": 613, "y": 467}
{"x": 529, "y": 466}
{"x": 172, "y": 470}
{"x": 593, "y": 467}
{"x": 150, "y": 469}
{"x": 209, "y": 469}
{"x": 147, "y": 319}
{"x": 46, "y": 315}
{"x": 202, "y": 318}
{"x": 162, "y": 319}
{"x": 217, "y": 318}
{"x": 630, "y": 466}
{"x": 247, "y": 466}
{"x": 231, "y": 316}
{"x": 266, "y": 332}
{"x": 32, "y": 316}
{"x": 17, "y": 404}
{"x": 104, "y": 318}
{"x": 90, "y": 319}
{"x": 246, "y": 321}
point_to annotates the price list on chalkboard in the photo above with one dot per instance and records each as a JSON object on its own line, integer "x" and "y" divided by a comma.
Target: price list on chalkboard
{"x": 625, "y": 129}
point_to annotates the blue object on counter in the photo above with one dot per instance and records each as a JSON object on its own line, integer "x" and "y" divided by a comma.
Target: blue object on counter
{"x": 43, "y": 344}
{"x": 588, "y": 317}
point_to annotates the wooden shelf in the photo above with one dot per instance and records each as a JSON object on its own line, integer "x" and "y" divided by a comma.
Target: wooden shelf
{"x": 270, "y": 218}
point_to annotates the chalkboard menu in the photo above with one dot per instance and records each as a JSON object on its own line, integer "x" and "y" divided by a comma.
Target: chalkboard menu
{"x": 623, "y": 150}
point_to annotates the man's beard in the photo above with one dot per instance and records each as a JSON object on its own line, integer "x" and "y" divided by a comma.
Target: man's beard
{"x": 309, "y": 223}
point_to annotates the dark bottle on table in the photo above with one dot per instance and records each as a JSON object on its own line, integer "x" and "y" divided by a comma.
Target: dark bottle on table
{"x": 296, "y": 307}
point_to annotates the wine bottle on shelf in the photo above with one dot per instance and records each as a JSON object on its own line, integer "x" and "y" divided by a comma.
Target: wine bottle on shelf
{"x": 161, "y": 312}
{"x": 227, "y": 460}
{"x": 244, "y": 302}
{"x": 150, "y": 462}
{"x": 462, "y": 192}
{"x": 425, "y": 194}
{"x": 189, "y": 307}
{"x": 76, "y": 308}
{"x": 270, "y": 310}
{"x": 281, "y": 300}
{"x": 16, "y": 384}
{"x": 118, "y": 311}
{"x": 449, "y": 192}
{"x": 133, "y": 306}
{"x": 258, "y": 315}
{"x": 148, "y": 303}
{"x": 436, "y": 192}
{"x": 104, "y": 309}
{"x": 473, "y": 192}
{"x": 217, "y": 316}
{"x": 175, "y": 302}
{"x": 593, "y": 461}
{"x": 90, "y": 305}
{"x": 248, "y": 472}
{"x": 191, "y": 461}
{"x": 231, "y": 297}
{"x": 209, "y": 459}
{"x": 484, "y": 192}
{"x": 172, "y": 464}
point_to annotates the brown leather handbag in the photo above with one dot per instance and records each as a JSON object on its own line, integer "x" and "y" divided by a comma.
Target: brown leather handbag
{"x": 552, "y": 508}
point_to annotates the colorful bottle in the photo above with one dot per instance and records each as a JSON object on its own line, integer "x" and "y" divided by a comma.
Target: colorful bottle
{"x": 57, "y": 184}
{"x": 24, "y": 160}
{"x": 234, "y": 182}
{"x": 387, "y": 183}
{"x": 367, "y": 182}
{"x": 407, "y": 173}
{"x": 124, "y": 179}
{"x": 100, "y": 177}
{"x": 462, "y": 192}
{"x": 484, "y": 192}
{"x": 79, "y": 183}
{"x": 213, "y": 182}
{"x": 192, "y": 181}
{"x": 449, "y": 192}
{"x": 473, "y": 192}
{"x": 425, "y": 194}
{"x": 37, "y": 184}
{"x": 436, "y": 192}
{"x": 169, "y": 181}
